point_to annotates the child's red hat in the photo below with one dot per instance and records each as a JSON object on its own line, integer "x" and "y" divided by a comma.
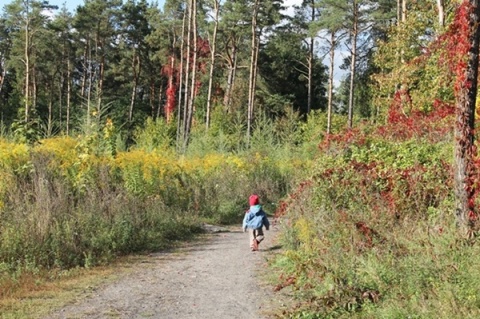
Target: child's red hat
{"x": 253, "y": 200}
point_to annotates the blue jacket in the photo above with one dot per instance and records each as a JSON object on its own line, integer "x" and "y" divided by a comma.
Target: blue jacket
{"x": 255, "y": 218}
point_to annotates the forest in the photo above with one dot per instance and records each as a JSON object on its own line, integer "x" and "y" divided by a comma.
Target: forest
{"x": 120, "y": 122}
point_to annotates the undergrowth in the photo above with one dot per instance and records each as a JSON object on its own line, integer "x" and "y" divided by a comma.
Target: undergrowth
{"x": 371, "y": 232}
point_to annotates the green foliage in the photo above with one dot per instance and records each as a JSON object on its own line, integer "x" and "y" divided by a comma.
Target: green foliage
{"x": 283, "y": 65}
{"x": 313, "y": 130}
{"x": 26, "y": 132}
{"x": 225, "y": 135}
{"x": 155, "y": 135}
{"x": 404, "y": 155}
{"x": 263, "y": 136}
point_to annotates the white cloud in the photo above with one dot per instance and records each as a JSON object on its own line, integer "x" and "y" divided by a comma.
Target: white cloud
{"x": 289, "y": 6}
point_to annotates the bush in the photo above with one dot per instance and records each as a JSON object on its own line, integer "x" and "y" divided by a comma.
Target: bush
{"x": 370, "y": 233}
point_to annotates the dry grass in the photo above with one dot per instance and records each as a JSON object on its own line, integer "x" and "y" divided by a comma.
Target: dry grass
{"x": 34, "y": 296}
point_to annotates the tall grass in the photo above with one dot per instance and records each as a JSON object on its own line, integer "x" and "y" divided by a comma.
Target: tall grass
{"x": 60, "y": 214}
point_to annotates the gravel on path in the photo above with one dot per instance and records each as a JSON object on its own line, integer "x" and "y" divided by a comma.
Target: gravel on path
{"x": 216, "y": 278}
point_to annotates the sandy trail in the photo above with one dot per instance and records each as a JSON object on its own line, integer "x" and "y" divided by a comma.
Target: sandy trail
{"x": 217, "y": 278}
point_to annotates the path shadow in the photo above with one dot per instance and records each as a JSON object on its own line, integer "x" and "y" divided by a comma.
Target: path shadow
{"x": 236, "y": 231}
{"x": 273, "y": 248}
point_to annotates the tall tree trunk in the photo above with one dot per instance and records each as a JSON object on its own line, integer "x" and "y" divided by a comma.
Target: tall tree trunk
{"x": 310, "y": 78}
{"x": 69, "y": 94}
{"x": 89, "y": 89}
{"x": 251, "y": 88}
{"x": 234, "y": 76}
{"x": 441, "y": 13}
{"x": 34, "y": 90}
{"x": 60, "y": 105}
{"x": 353, "y": 62}
{"x": 180, "y": 119}
{"x": 171, "y": 91}
{"x": 61, "y": 92}
{"x": 136, "y": 69}
{"x": 3, "y": 73}
{"x": 311, "y": 54}
{"x": 465, "y": 153}
{"x": 330, "y": 81}
{"x": 151, "y": 100}
{"x": 193, "y": 90}
{"x": 213, "y": 49}
{"x": 399, "y": 12}
{"x": 255, "y": 72}
{"x": 50, "y": 114}
{"x": 100, "y": 84}
{"x": 187, "y": 72}
{"x": 100, "y": 59}
{"x": 86, "y": 68}
{"x": 27, "y": 65}
{"x": 159, "y": 101}
{"x": 232, "y": 65}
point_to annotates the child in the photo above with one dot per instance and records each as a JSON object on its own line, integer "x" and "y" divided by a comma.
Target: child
{"x": 254, "y": 220}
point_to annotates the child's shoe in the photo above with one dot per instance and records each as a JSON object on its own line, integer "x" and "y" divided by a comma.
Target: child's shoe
{"x": 255, "y": 245}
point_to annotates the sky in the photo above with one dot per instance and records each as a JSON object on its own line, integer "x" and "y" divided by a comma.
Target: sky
{"x": 73, "y": 4}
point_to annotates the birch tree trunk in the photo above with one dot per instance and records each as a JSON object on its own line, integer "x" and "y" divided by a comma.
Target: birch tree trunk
{"x": 50, "y": 115}
{"x": 216, "y": 5}
{"x": 311, "y": 54}
{"x": 34, "y": 89}
{"x": 61, "y": 92}
{"x": 86, "y": 66}
{"x": 191, "y": 100}
{"x": 181, "y": 119}
{"x": 89, "y": 89}
{"x": 399, "y": 11}
{"x": 136, "y": 69}
{"x": 187, "y": 72}
{"x": 354, "y": 34}
{"x": 99, "y": 92}
{"x": 27, "y": 65}
{"x": 441, "y": 13}
{"x": 69, "y": 94}
{"x": 330, "y": 82}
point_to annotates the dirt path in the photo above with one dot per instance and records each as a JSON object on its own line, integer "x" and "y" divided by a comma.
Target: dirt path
{"x": 217, "y": 278}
